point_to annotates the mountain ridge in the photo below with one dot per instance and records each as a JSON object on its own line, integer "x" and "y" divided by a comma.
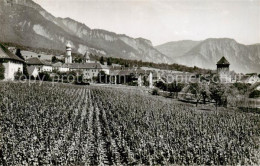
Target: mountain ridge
{"x": 242, "y": 58}
{"x": 35, "y": 26}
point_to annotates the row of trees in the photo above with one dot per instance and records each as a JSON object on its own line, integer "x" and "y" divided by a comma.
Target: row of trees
{"x": 132, "y": 63}
{"x": 221, "y": 94}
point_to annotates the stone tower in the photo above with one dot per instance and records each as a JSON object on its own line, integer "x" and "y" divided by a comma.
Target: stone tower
{"x": 223, "y": 70}
{"x": 68, "y": 58}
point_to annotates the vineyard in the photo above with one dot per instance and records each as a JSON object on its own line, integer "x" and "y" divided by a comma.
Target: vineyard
{"x": 75, "y": 125}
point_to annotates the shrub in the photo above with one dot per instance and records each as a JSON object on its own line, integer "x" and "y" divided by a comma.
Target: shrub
{"x": 2, "y": 71}
{"x": 155, "y": 92}
{"x": 254, "y": 94}
{"x": 18, "y": 75}
{"x": 44, "y": 76}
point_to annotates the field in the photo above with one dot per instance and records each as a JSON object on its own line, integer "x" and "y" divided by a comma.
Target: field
{"x": 74, "y": 125}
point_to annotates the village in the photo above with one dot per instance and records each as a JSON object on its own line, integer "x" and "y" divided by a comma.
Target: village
{"x": 143, "y": 82}
{"x": 173, "y": 83}
{"x": 114, "y": 73}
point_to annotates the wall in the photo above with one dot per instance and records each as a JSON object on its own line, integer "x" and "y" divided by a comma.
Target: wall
{"x": 11, "y": 68}
{"x": 90, "y": 73}
{"x": 63, "y": 69}
{"x": 46, "y": 68}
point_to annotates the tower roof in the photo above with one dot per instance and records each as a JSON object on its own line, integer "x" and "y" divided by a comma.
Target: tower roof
{"x": 68, "y": 45}
{"x": 223, "y": 61}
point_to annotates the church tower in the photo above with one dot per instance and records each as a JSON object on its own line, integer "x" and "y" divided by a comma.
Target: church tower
{"x": 86, "y": 58}
{"x": 68, "y": 58}
{"x": 223, "y": 70}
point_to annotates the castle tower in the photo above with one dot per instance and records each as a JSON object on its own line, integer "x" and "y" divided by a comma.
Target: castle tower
{"x": 223, "y": 70}
{"x": 68, "y": 58}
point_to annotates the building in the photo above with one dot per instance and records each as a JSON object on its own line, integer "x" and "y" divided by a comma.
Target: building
{"x": 60, "y": 67}
{"x": 68, "y": 57}
{"x": 41, "y": 56}
{"x": 32, "y": 71}
{"x": 11, "y": 63}
{"x": 89, "y": 70}
{"x": 105, "y": 68}
{"x": 249, "y": 79}
{"x": 42, "y": 66}
{"x": 223, "y": 70}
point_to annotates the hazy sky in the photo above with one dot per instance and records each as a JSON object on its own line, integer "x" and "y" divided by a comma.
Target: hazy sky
{"x": 166, "y": 20}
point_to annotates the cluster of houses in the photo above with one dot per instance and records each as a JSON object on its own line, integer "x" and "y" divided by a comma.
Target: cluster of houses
{"x": 91, "y": 69}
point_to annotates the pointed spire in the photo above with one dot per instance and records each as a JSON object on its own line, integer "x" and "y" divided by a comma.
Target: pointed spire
{"x": 223, "y": 61}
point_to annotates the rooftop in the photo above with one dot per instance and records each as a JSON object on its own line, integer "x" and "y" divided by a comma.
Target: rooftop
{"x": 6, "y": 54}
{"x": 84, "y": 65}
{"x": 223, "y": 61}
{"x": 34, "y": 61}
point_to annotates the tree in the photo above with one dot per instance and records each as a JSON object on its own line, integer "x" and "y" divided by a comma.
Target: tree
{"x": 25, "y": 71}
{"x": 242, "y": 87}
{"x": 109, "y": 62}
{"x": 254, "y": 94}
{"x": 2, "y": 71}
{"x": 44, "y": 76}
{"x": 101, "y": 60}
{"x": 200, "y": 91}
{"x": 19, "y": 54}
{"x": 218, "y": 94}
{"x": 160, "y": 85}
{"x": 54, "y": 59}
{"x": 175, "y": 88}
{"x": 102, "y": 77}
{"x": 18, "y": 75}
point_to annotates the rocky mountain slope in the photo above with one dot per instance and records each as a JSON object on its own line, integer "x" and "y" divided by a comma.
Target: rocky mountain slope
{"x": 206, "y": 53}
{"x": 176, "y": 48}
{"x": 25, "y": 22}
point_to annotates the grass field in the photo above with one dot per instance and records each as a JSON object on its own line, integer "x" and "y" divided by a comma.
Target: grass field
{"x": 74, "y": 125}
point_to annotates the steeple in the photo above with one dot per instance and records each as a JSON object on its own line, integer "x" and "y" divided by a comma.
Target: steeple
{"x": 68, "y": 58}
{"x": 86, "y": 57}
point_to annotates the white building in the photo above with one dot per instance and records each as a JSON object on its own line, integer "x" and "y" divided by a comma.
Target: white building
{"x": 39, "y": 64}
{"x": 89, "y": 70}
{"x": 250, "y": 79}
{"x": 11, "y": 63}
{"x": 106, "y": 69}
{"x": 60, "y": 67}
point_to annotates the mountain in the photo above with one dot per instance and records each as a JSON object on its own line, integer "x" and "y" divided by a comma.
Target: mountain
{"x": 242, "y": 58}
{"x": 27, "y": 23}
{"x": 176, "y": 48}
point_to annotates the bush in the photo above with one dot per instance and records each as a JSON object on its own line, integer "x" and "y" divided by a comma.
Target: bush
{"x": 44, "y": 76}
{"x": 2, "y": 71}
{"x": 155, "y": 92}
{"x": 19, "y": 75}
{"x": 81, "y": 81}
{"x": 132, "y": 83}
{"x": 254, "y": 94}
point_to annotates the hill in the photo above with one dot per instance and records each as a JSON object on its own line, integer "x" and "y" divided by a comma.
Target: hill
{"x": 176, "y": 48}
{"x": 205, "y": 54}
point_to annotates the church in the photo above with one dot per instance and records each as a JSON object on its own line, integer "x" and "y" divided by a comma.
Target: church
{"x": 12, "y": 63}
{"x": 88, "y": 68}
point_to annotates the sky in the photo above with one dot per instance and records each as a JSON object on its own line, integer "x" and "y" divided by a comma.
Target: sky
{"x": 163, "y": 21}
